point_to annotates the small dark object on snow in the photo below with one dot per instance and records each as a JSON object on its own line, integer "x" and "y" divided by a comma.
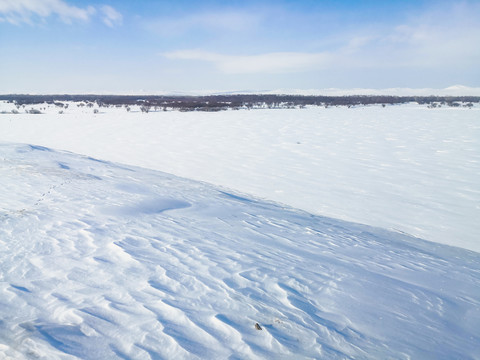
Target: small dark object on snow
{"x": 257, "y": 326}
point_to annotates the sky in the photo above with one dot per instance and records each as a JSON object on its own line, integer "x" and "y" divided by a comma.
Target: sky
{"x": 129, "y": 47}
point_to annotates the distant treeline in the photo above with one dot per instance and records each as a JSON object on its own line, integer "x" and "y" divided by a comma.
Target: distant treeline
{"x": 224, "y": 102}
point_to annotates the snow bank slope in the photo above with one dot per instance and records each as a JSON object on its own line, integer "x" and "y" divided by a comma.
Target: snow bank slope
{"x": 102, "y": 261}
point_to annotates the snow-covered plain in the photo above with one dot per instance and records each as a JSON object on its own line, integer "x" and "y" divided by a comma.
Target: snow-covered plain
{"x": 408, "y": 167}
{"x": 106, "y": 261}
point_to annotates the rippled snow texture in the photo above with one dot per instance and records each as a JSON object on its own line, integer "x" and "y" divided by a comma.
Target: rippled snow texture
{"x": 106, "y": 261}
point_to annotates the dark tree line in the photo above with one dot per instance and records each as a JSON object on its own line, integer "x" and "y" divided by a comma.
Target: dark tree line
{"x": 225, "y": 102}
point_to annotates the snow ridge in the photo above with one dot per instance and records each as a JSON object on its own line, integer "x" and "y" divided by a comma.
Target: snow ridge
{"x": 105, "y": 261}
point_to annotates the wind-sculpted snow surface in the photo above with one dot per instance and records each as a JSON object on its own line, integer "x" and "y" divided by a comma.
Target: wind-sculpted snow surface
{"x": 407, "y": 168}
{"x": 103, "y": 261}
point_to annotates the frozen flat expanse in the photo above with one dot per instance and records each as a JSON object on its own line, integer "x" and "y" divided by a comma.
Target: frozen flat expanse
{"x": 107, "y": 261}
{"x": 408, "y": 167}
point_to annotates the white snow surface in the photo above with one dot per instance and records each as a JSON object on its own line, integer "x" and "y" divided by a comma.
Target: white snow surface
{"x": 407, "y": 168}
{"x": 106, "y": 261}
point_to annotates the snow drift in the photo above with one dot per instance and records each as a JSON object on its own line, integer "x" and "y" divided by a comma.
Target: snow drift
{"x": 105, "y": 261}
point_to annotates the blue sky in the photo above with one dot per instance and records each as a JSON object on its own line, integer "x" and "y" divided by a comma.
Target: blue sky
{"x": 72, "y": 46}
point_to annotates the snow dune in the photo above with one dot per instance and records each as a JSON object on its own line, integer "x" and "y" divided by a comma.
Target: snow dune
{"x": 106, "y": 261}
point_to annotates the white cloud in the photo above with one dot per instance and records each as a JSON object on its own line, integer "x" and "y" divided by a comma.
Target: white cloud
{"x": 32, "y": 11}
{"x": 235, "y": 21}
{"x": 435, "y": 38}
{"x": 23, "y": 11}
{"x": 440, "y": 37}
{"x": 280, "y": 62}
{"x": 111, "y": 16}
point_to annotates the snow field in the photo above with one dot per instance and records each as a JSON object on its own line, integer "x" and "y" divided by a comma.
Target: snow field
{"x": 107, "y": 261}
{"x": 407, "y": 168}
